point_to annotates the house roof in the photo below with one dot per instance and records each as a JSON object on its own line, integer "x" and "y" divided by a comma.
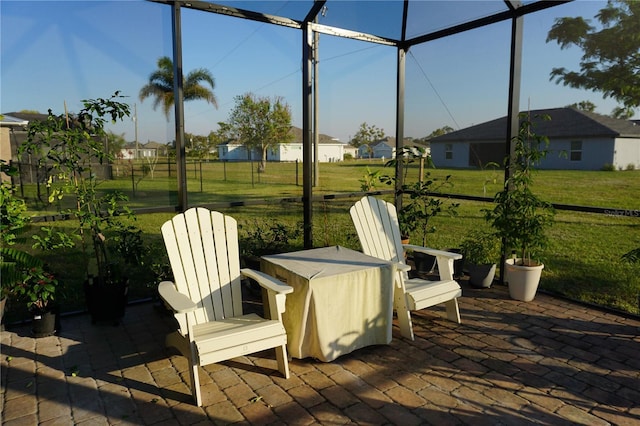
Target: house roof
{"x": 25, "y": 116}
{"x": 297, "y": 136}
{"x": 391, "y": 141}
{"x": 154, "y": 145}
{"x": 18, "y": 119}
{"x": 565, "y": 123}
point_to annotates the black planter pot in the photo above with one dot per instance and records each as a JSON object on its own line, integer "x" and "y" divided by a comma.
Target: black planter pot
{"x": 458, "y": 265}
{"x": 106, "y": 301}
{"x": 44, "y": 323}
{"x": 3, "y": 303}
{"x": 481, "y": 276}
{"x": 426, "y": 264}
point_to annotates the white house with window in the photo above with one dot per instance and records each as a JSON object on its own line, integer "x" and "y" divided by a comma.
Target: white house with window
{"x": 328, "y": 152}
{"x": 128, "y": 152}
{"x": 330, "y": 149}
{"x": 578, "y": 140}
{"x": 384, "y": 148}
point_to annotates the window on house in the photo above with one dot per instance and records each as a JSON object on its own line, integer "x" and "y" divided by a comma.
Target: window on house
{"x": 576, "y": 151}
{"x": 448, "y": 151}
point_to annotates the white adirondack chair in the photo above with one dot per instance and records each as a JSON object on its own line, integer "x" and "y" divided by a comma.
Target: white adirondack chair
{"x": 376, "y": 222}
{"x": 206, "y": 296}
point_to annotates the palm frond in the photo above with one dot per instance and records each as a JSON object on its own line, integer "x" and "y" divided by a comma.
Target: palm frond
{"x": 13, "y": 262}
{"x": 633, "y": 256}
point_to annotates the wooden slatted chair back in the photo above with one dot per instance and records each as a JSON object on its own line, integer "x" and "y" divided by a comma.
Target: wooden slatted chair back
{"x": 203, "y": 251}
{"x": 376, "y": 222}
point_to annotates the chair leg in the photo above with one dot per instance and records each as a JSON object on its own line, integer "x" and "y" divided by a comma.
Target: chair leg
{"x": 283, "y": 361}
{"x": 179, "y": 342}
{"x": 453, "y": 313}
{"x": 195, "y": 377}
{"x": 404, "y": 315}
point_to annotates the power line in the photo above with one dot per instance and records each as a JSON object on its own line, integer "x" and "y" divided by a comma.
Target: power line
{"x": 435, "y": 91}
{"x": 258, "y": 28}
{"x": 285, "y": 76}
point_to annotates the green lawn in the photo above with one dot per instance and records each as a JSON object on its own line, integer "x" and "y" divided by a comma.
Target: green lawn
{"x": 582, "y": 260}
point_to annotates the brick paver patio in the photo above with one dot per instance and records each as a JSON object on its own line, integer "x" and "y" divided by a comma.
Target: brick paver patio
{"x": 544, "y": 362}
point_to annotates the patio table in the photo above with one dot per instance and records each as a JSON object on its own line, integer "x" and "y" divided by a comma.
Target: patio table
{"x": 342, "y": 300}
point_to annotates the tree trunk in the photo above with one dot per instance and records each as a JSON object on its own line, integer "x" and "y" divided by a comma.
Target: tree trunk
{"x": 263, "y": 162}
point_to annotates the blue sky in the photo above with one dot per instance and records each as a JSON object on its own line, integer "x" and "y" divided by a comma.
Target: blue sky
{"x": 60, "y": 52}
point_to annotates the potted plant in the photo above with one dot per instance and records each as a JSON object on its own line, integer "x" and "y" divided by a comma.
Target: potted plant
{"x": 73, "y": 149}
{"x": 480, "y": 251}
{"x": 520, "y": 217}
{"x": 424, "y": 202}
{"x": 38, "y": 289}
{"x": 13, "y": 222}
{"x": 262, "y": 238}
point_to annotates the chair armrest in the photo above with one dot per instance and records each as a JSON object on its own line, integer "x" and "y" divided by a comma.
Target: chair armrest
{"x": 177, "y": 301}
{"x": 433, "y": 252}
{"x": 267, "y": 281}
{"x": 402, "y": 267}
{"x": 277, "y": 292}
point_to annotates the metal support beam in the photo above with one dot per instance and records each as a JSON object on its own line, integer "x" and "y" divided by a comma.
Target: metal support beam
{"x": 178, "y": 103}
{"x": 307, "y": 160}
{"x": 487, "y": 20}
{"x": 316, "y": 111}
{"x": 515, "y": 76}
{"x": 206, "y": 6}
{"x": 400, "y": 83}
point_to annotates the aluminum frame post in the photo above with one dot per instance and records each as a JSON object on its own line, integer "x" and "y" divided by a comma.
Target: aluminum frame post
{"x": 178, "y": 104}
{"x": 307, "y": 154}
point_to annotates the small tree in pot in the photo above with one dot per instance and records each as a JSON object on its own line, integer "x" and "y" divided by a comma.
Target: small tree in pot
{"x": 14, "y": 220}
{"x": 425, "y": 202}
{"x": 38, "y": 289}
{"x": 480, "y": 251}
{"x": 520, "y": 217}
{"x": 73, "y": 150}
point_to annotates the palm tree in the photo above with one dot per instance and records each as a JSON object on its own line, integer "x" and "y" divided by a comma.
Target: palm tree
{"x": 160, "y": 86}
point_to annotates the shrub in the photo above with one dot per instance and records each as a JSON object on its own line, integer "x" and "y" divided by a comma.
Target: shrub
{"x": 607, "y": 167}
{"x": 264, "y": 237}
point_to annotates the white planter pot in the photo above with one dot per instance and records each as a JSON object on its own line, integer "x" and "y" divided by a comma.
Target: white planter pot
{"x": 523, "y": 280}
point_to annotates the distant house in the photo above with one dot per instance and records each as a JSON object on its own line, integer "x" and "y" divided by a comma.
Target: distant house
{"x": 161, "y": 149}
{"x": 587, "y": 141}
{"x": 329, "y": 150}
{"x": 128, "y": 152}
{"x": 350, "y": 150}
{"x": 384, "y": 148}
{"x": 13, "y": 132}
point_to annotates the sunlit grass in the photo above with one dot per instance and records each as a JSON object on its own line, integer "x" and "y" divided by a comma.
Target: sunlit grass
{"x": 582, "y": 260}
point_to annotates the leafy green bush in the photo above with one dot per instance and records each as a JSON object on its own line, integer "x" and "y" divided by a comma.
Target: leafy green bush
{"x": 480, "y": 248}
{"x": 266, "y": 238}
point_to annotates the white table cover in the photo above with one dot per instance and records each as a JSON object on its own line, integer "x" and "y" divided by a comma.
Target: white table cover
{"x": 342, "y": 300}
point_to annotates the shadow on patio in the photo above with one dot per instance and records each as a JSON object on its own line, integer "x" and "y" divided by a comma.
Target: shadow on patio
{"x": 546, "y": 362}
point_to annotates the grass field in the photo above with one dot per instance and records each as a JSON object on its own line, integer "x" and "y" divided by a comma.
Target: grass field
{"x": 582, "y": 260}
